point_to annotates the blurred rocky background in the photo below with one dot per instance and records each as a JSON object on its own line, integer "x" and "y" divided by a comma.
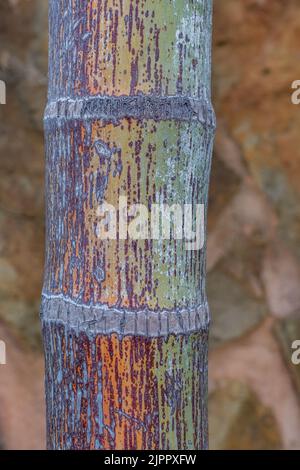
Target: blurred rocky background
{"x": 254, "y": 224}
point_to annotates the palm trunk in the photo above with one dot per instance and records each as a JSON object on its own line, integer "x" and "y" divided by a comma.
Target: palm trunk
{"x": 125, "y": 320}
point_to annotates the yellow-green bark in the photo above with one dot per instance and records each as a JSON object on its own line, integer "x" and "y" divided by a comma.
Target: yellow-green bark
{"x": 126, "y": 321}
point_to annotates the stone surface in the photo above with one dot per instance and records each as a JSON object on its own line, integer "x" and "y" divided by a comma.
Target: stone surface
{"x": 21, "y": 261}
{"x": 234, "y": 310}
{"x": 224, "y": 185}
{"x": 239, "y": 421}
{"x": 281, "y": 277}
{"x": 22, "y": 408}
{"x": 23, "y": 65}
{"x": 256, "y": 361}
{"x": 247, "y": 218}
{"x": 255, "y": 62}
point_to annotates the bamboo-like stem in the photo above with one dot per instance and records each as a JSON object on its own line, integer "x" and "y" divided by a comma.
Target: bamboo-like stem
{"x": 126, "y": 321}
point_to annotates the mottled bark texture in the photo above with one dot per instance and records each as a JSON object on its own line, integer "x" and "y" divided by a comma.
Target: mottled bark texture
{"x": 126, "y": 321}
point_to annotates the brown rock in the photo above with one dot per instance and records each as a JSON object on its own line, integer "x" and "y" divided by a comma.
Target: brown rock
{"x": 239, "y": 421}
{"x": 22, "y": 422}
{"x": 249, "y": 215}
{"x": 257, "y": 362}
{"x": 233, "y": 310}
{"x": 281, "y": 277}
{"x": 21, "y": 266}
{"x": 223, "y": 186}
{"x": 256, "y": 51}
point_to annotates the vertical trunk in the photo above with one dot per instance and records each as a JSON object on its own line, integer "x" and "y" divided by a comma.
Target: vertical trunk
{"x": 125, "y": 320}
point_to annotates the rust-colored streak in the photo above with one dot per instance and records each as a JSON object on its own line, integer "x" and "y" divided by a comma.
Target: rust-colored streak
{"x": 142, "y": 46}
{"x": 129, "y": 393}
{"x": 125, "y": 320}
